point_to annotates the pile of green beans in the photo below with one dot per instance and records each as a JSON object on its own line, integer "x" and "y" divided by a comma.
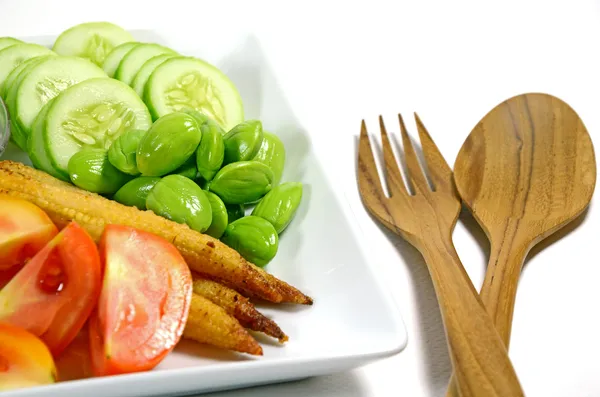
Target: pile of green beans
{"x": 187, "y": 169}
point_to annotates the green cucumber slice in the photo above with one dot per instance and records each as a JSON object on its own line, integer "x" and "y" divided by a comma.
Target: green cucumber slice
{"x": 91, "y": 40}
{"x": 187, "y": 82}
{"x": 133, "y": 61}
{"x": 141, "y": 77}
{"x": 114, "y": 58}
{"x": 12, "y": 56}
{"x": 37, "y": 147}
{"x": 18, "y": 137}
{"x": 8, "y": 41}
{"x": 91, "y": 114}
{"x": 14, "y": 74}
{"x": 46, "y": 80}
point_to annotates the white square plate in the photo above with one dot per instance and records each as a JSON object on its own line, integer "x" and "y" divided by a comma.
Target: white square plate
{"x": 353, "y": 320}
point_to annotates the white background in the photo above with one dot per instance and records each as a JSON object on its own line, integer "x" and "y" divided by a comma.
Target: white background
{"x": 339, "y": 62}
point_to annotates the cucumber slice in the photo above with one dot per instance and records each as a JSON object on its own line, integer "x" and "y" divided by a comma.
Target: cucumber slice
{"x": 8, "y": 41}
{"x": 14, "y": 75}
{"x": 112, "y": 61}
{"x": 46, "y": 80}
{"x": 133, "y": 61}
{"x": 187, "y": 82}
{"x": 91, "y": 40}
{"x": 12, "y": 56}
{"x": 18, "y": 137}
{"x": 93, "y": 114}
{"x": 141, "y": 77}
{"x": 37, "y": 147}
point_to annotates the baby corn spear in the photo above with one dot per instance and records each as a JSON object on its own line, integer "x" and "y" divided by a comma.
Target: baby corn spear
{"x": 210, "y": 324}
{"x": 238, "y": 306}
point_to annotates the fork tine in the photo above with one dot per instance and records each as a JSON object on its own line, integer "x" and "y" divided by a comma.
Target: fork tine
{"x": 415, "y": 173}
{"x": 393, "y": 177}
{"x": 438, "y": 168}
{"x": 368, "y": 177}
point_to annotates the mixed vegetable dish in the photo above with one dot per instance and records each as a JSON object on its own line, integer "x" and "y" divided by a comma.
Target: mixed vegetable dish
{"x": 150, "y": 213}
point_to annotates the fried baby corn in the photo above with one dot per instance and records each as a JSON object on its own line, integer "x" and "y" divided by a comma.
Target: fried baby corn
{"x": 211, "y": 324}
{"x": 64, "y": 202}
{"x": 238, "y": 306}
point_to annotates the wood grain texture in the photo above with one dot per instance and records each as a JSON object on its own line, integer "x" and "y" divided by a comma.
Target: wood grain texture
{"x": 427, "y": 219}
{"x": 527, "y": 169}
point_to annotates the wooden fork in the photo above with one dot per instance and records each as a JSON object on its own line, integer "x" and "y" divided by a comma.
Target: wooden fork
{"x": 426, "y": 220}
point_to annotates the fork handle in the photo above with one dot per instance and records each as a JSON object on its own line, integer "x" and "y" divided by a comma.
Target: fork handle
{"x": 499, "y": 289}
{"x": 480, "y": 360}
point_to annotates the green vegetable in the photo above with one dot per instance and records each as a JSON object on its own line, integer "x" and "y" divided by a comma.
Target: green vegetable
{"x": 243, "y": 141}
{"x": 179, "y": 199}
{"x": 91, "y": 114}
{"x": 254, "y": 238}
{"x": 235, "y": 212}
{"x": 144, "y": 73}
{"x": 201, "y": 118}
{"x": 188, "y": 169}
{"x": 114, "y": 57}
{"x": 187, "y": 82}
{"x": 135, "y": 59}
{"x": 168, "y": 144}
{"x": 242, "y": 182}
{"x": 272, "y": 153}
{"x": 219, "y": 216}
{"x": 91, "y": 40}
{"x": 280, "y": 204}
{"x": 210, "y": 152}
{"x": 90, "y": 170}
{"x": 122, "y": 152}
{"x": 135, "y": 192}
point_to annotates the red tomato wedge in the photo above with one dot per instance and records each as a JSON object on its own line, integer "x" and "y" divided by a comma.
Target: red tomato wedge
{"x": 55, "y": 292}
{"x": 24, "y": 230}
{"x": 144, "y": 303}
{"x": 25, "y": 360}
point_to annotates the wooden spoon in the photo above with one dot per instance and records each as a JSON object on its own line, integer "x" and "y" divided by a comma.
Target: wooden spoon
{"x": 526, "y": 170}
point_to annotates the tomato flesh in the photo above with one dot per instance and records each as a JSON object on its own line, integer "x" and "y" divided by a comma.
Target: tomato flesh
{"x": 24, "y": 230}
{"x": 54, "y": 294}
{"x": 144, "y": 303}
{"x": 75, "y": 362}
{"x": 24, "y": 359}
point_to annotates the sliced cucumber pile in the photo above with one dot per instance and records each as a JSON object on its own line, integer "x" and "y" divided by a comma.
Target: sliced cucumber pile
{"x": 97, "y": 83}
{"x": 186, "y": 82}
{"x": 134, "y": 59}
{"x": 142, "y": 76}
{"x": 12, "y": 56}
{"x": 91, "y": 40}
{"x": 112, "y": 61}
{"x": 91, "y": 114}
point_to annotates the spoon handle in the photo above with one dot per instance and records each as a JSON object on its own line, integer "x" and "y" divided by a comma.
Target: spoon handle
{"x": 499, "y": 288}
{"x": 478, "y": 355}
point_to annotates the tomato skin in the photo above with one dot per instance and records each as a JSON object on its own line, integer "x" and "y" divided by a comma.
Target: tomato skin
{"x": 144, "y": 303}
{"x": 24, "y": 230}
{"x": 24, "y": 359}
{"x": 53, "y": 295}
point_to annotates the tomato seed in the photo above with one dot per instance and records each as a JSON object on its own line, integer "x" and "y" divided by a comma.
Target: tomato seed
{"x": 52, "y": 278}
